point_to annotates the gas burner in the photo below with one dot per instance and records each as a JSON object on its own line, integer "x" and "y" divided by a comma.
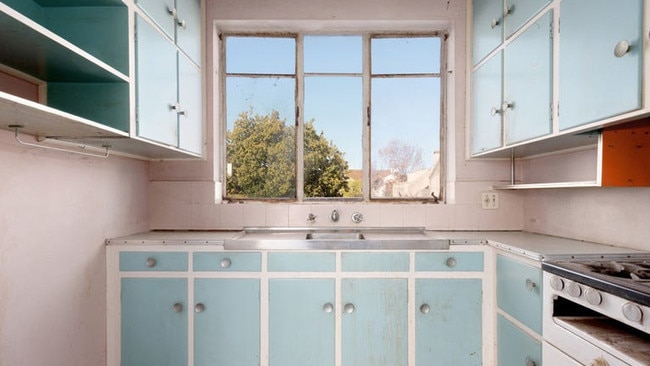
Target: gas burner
{"x": 637, "y": 270}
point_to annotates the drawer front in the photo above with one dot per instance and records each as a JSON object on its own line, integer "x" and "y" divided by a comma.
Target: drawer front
{"x": 375, "y": 262}
{"x": 519, "y": 292}
{"x": 301, "y": 262}
{"x": 449, "y": 261}
{"x": 153, "y": 261}
{"x": 227, "y": 261}
{"x": 515, "y": 347}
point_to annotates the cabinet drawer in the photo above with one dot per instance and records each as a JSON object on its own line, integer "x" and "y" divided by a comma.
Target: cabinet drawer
{"x": 153, "y": 261}
{"x": 227, "y": 261}
{"x": 375, "y": 262}
{"x": 514, "y": 346}
{"x": 519, "y": 292}
{"x": 302, "y": 262}
{"x": 449, "y": 261}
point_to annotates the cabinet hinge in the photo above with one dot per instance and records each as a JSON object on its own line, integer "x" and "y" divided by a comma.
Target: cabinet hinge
{"x": 551, "y": 29}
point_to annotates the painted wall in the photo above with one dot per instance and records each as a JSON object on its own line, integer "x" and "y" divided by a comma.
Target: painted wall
{"x": 184, "y": 195}
{"x": 56, "y": 209}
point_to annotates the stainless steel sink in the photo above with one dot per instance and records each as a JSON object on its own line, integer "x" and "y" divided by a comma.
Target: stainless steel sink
{"x": 335, "y": 238}
{"x": 334, "y": 235}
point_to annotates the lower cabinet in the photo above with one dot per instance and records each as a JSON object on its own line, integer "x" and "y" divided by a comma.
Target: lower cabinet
{"x": 349, "y": 308}
{"x": 516, "y": 347}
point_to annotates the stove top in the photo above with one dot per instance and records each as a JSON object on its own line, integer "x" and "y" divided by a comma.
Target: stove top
{"x": 628, "y": 278}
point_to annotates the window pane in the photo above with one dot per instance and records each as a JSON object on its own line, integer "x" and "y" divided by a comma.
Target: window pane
{"x": 333, "y": 54}
{"x": 260, "y": 146}
{"x": 260, "y": 55}
{"x": 412, "y": 55}
{"x": 405, "y": 135}
{"x": 333, "y": 144}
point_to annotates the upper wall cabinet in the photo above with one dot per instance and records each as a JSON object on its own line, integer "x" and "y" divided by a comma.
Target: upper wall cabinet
{"x": 490, "y": 17}
{"x": 601, "y": 60}
{"x": 79, "y": 53}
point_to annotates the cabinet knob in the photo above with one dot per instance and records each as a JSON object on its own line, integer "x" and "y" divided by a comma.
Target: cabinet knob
{"x": 530, "y": 284}
{"x": 622, "y": 48}
{"x": 181, "y": 23}
{"x": 509, "y": 10}
{"x": 348, "y": 308}
{"x": 495, "y": 22}
{"x": 178, "y": 307}
{"x": 507, "y": 105}
{"x": 199, "y": 308}
{"x": 328, "y": 308}
{"x": 151, "y": 262}
{"x": 172, "y": 12}
{"x": 494, "y": 111}
{"x": 425, "y": 308}
{"x": 530, "y": 362}
{"x": 175, "y": 107}
{"x": 450, "y": 262}
{"x": 226, "y": 263}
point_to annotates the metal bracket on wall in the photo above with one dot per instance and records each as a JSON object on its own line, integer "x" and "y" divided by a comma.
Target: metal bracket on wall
{"x": 47, "y": 147}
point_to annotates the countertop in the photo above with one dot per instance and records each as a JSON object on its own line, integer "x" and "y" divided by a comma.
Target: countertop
{"x": 532, "y": 245}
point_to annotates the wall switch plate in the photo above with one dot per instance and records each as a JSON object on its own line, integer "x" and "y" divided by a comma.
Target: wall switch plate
{"x": 489, "y": 200}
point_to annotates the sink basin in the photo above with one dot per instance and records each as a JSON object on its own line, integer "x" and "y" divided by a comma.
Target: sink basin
{"x": 339, "y": 238}
{"x": 334, "y": 235}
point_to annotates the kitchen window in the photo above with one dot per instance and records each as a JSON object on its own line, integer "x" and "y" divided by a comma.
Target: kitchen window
{"x": 322, "y": 117}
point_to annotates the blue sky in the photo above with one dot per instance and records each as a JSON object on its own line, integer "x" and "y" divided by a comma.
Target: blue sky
{"x": 404, "y": 108}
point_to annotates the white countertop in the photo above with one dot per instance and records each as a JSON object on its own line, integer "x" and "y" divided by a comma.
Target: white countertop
{"x": 535, "y": 246}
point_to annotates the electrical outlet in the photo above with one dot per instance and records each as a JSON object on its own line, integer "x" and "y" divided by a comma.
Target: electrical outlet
{"x": 489, "y": 200}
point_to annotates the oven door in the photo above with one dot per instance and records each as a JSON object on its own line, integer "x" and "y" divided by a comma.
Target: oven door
{"x": 588, "y": 337}
{"x": 553, "y": 356}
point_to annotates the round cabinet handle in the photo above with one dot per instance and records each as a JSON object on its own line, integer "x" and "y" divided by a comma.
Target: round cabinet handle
{"x": 494, "y": 111}
{"x": 509, "y": 10}
{"x": 425, "y": 308}
{"x": 348, "y": 308}
{"x": 450, "y": 262}
{"x": 151, "y": 262}
{"x": 199, "y": 308}
{"x": 172, "y": 12}
{"x": 530, "y": 362}
{"x": 178, "y": 307}
{"x": 622, "y": 48}
{"x": 495, "y": 22}
{"x": 530, "y": 284}
{"x": 328, "y": 308}
{"x": 226, "y": 263}
{"x": 507, "y": 105}
{"x": 181, "y": 23}
{"x": 599, "y": 362}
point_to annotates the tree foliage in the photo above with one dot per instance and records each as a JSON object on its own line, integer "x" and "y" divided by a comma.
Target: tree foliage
{"x": 261, "y": 154}
{"x": 401, "y": 157}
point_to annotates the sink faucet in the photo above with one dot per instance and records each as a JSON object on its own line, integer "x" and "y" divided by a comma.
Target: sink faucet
{"x": 311, "y": 218}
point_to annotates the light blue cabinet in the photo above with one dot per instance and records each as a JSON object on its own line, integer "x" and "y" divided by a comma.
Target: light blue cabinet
{"x": 528, "y": 80}
{"x": 487, "y": 97}
{"x": 374, "y": 322}
{"x": 595, "y": 83}
{"x": 519, "y": 291}
{"x": 226, "y": 322}
{"x": 448, "y": 322}
{"x": 188, "y": 30}
{"x": 515, "y": 347}
{"x": 519, "y": 12}
{"x": 301, "y": 322}
{"x": 487, "y": 27}
{"x": 154, "y": 321}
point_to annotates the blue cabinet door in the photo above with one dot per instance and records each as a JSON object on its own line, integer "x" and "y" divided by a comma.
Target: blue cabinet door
{"x": 594, "y": 82}
{"x": 374, "y": 322}
{"x": 519, "y": 292}
{"x": 301, "y": 322}
{"x": 486, "y": 105}
{"x": 519, "y": 12}
{"x": 487, "y": 27}
{"x": 527, "y": 88}
{"x": 448, "y": 322}
{"x": 156, "y": 88}
{"x": 190, "y": 101}
{"x": 154, "y": 322}
{"x": 226, "y": 322}
{"x": 188, "y": 31}
{"x": 515, "y": 347}
{"x": 162, "y": 12}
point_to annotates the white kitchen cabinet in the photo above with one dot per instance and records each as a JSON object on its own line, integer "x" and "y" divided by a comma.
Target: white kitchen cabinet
{"x": 601, "y": 60}
{"x": 292, "y": 308}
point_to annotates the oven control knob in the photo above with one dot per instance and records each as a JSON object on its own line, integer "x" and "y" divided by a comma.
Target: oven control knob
{"x": 574, "y": 289}
{"x": 632, "y": 312}
{"x": 557, "y": 283}
{"x": 593, "y": 296}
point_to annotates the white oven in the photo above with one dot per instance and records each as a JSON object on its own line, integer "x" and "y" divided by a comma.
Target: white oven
{"x": 593, "y": 319}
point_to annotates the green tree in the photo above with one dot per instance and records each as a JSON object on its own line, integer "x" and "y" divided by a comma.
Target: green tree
{"x": 261, "y": 157}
